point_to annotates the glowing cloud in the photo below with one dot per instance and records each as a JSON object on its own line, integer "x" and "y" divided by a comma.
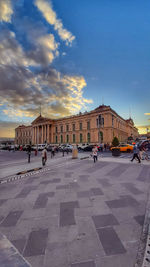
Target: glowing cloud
{"x": 5, "y": 10}
{"x": 147, "y": 114}
{"x": 51, "y": 17}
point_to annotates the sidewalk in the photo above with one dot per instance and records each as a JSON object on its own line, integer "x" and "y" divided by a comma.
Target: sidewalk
{"x": 79, "y": 213}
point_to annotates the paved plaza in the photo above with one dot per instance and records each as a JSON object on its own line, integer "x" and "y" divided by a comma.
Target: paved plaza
{"x": 75, "y": 213}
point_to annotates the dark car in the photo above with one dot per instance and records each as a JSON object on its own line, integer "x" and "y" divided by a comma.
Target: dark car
{"x": 88, "y": 148}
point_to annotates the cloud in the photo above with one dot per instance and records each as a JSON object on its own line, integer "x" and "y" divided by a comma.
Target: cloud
{"x": 7, "y": 128}
{"x": 27, "y": 79}
{"x": 51, "y": 17}
{"x": 6, "y": 10}
{"x": 148, "y": 114}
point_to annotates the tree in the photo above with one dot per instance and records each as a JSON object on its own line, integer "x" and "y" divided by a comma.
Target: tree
{"x": 115, "y": 141}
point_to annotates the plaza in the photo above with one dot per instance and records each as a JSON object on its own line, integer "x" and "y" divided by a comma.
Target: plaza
{"x": 74, "y": 213}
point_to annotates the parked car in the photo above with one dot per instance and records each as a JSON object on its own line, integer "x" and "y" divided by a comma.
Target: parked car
{"x": 88, "y": 148}
{"x": 124, "y": 148}
{"x": 82, "y": 146}
{"x": 65, "y": 148}
{"x": 41, "y": 146}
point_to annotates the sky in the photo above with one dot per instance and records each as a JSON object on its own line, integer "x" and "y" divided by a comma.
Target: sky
{"x": 72, "y": 56}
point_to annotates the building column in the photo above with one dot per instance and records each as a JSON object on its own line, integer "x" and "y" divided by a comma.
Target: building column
{"x": 48, "y": 132}
{"x": 42, "y": 135}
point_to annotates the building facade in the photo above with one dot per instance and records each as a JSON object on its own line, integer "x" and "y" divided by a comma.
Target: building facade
{"x": 98, "y": 125}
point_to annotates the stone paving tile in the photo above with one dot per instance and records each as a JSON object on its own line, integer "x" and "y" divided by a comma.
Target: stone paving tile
{"x": 32, "y": 179}
{"x": 81, "y": 194}
{"x": 84, "y": 178}
{"x": 140, "y": 219}
{"x": 36, "y": 261}
{"x": 56, "y": 255}
{"x": 104, "y": 220}
{"x": 2, "y": 201}
{"x": 64, "y": 186}
{"x": 68, "y": 174}
{"x": 67, "y": 213}
{"x": 96, "y": 167}
{"x": 54, "y": 180}
{"x": 12, "y": 218}
{"x": 43, "y": 199}
{"x": 144, "y": 175}
{"x": 131, "y": 187}
{"x": 84, "y": 264}
{"x": 123, "y": 201}
{"x": 110, "y": 241}
{"x": 25, "y": 191}
{"x": 19, "y": 244}
{"x": 117, "y": 171}
{"x": 96, "y": 191}
{"x": 36, "y": 243}
{"x": 104, "y": 182}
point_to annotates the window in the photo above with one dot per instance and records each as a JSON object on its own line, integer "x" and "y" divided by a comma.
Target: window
{"x": 81, "y": 138}
{"x": 74, "y": 138}
{"x": 56, "y": 139}
{"x": 61, "y": 128}
{"x": 88, "y": 138}
{"x": 67, "y": 138}
{"x": 80, "y": 126}
{"x": 56, "y": 129}
{"x": 61, "y": 139}
{"x": 73, "y": 127}
{"x": 88, "y": 125}
{"x": 112, "y": 120}
{"x": 67, "y": 128}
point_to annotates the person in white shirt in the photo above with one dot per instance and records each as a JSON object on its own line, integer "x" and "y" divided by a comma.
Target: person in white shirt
{"x": 44, "y": 156}
{"x": 94, "y": 153}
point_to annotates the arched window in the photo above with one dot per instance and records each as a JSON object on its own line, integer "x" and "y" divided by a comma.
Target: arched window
{"x": 88, "y": 138}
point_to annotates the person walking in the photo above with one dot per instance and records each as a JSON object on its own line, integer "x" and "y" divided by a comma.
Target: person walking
{"x": 44, "y": 156}
{"x": 136, "y": 153}
{"x": 29, "y": 152}
{"x": 53, "y": 152}
{"x": 94, "y": 153}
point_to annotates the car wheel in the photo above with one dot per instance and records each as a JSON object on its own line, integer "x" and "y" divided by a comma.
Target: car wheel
{"x": 128, "y": 150}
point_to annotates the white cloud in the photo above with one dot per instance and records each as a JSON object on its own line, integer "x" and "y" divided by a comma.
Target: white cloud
{"x": 6, "y": 10}
{"x": 51, "y": 17}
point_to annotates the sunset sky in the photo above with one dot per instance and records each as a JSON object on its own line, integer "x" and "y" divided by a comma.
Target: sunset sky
{"x": 69, "y": 56}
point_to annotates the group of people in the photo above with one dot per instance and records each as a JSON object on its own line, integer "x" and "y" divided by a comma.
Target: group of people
{"x": 139, "y": 153}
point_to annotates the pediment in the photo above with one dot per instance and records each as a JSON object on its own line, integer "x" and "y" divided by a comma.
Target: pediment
{"x": 39, "y": 119}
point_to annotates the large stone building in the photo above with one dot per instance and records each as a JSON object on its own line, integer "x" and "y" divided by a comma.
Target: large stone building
{"x": 98, "y": 125}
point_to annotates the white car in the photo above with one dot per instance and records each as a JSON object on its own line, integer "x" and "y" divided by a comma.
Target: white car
{"x": 81, "y": 147}
{"x": 41, "y": 146}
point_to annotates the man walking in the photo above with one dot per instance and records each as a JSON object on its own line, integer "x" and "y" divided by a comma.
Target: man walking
{"x": 29, "y": 152}
{"x": 135, "y": 153}
{"x": 94, "y": 152}
{"x": 44, "y": 156}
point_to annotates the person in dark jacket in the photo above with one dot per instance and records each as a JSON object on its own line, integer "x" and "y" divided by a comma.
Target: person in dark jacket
{"x": 29, "y": 152}
{"x": 136, "y": 154}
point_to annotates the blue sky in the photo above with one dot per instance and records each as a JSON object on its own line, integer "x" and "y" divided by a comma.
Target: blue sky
{"x": 70, "y": 56}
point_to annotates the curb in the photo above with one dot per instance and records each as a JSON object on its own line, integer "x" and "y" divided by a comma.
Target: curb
{"x": 23, "y": 174}
{"x": 146, "y": 260}
{"x": 143, "y": 256}
{"x": 9, "y": 255}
